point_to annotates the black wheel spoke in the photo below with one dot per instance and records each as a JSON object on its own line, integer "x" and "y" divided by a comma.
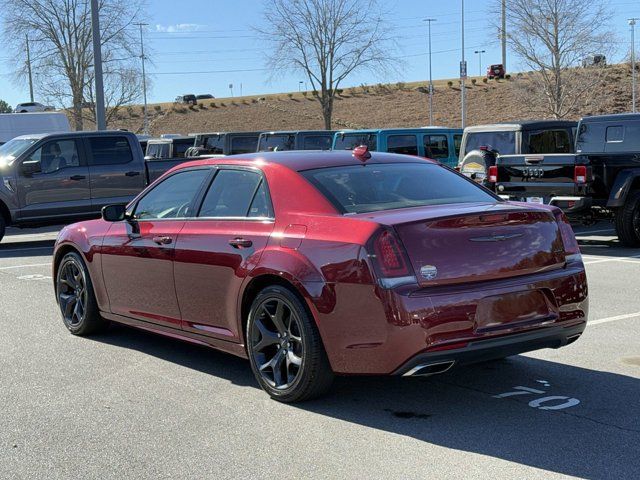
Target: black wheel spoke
{"x": 276, "y": 343}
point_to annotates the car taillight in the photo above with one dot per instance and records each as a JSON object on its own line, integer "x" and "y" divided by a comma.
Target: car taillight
{"x": 568, "y": 237}
{"x": 390, "y": 260}
{"x": 493, "y": 173}
{"x": 580, "y": 174}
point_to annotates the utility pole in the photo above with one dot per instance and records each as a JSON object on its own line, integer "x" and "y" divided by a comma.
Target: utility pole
{"x": 503, "y": 35}
{"x": 101, "y": 123}
{"x": 480, "y": 52}
{"x": 429, "y": 20}
{"x": 463, "y": 76}
{"x": 29, "y": 69}
{"x": 632, "y": 24}
{"x": 145, "y": 128}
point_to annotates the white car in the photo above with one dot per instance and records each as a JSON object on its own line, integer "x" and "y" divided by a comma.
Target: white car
{"x": 31, "y": 107}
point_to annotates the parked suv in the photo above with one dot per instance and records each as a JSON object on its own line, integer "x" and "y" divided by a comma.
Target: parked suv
{"x": 31, "y": 107}
{"x": 295, "y": 140}
{"x": 223, "y": 143}
{"x": 482, "y": 143}
{"x": 602, "y": 180}
{"x": 188, "y": 99}
{"x": 495, "y": 71}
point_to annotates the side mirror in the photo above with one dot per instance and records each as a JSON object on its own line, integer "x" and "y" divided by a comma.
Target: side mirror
{"x": 114, "y": 213}
{"x": 30, "y": 167}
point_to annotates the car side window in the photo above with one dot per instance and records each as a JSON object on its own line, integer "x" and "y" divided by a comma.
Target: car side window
{"x": 243, "y": 145}
{"x": 406, "y": 144}
{"x": 436, "y": 146}
{"x": 317, "y": 142}
{"x": 235, "y": 193}
{"x": 110, "y": 150}
{"x": 457, "y": 144}
{"x": 173, "y": 197}
{"x": 56, "y": 155}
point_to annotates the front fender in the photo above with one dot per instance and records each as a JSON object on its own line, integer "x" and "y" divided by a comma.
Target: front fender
{"x": 86, "y": 239}
{"x": 622, "y": 186}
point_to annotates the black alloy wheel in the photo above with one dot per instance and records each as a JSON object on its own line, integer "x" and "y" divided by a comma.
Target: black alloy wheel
{"x": 284, "y": 347}
{"x": 276, "y": 343}
{"x": 77, "y": 302}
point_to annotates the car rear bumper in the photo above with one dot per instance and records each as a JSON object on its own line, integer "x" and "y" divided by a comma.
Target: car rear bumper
{"x": 430, "y": 363}
{"x": 373, "y": 331}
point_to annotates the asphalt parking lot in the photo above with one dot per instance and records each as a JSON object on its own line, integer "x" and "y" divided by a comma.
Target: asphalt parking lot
{"x": 128, "y": 404}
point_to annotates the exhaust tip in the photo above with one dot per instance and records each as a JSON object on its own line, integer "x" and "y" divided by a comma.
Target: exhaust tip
{"x": 573, "y": 338}
{"x": 428, "y": 369}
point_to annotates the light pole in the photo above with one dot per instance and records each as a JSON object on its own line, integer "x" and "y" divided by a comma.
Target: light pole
{"x": 144, "y": 80}
{"x": 29, "y": 69}
{"x": 480, "y": 52}
{"x": 463, "y": 75}
{"x": 429, "y": 20}
{"x": 632, "y": 24}
{"x": 101, "y": 123}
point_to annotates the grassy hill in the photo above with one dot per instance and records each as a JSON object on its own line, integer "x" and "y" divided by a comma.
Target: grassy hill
{"x": 390, "y": 105}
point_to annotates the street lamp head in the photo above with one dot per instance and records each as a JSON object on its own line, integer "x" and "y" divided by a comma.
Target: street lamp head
{"x": 632, "y": 21}
{"x": 429, "y": 19}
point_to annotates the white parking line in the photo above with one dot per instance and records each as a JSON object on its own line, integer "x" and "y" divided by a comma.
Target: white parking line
{"x": 613, "y": 319}
{"x": 613, "y": 259}
{"x": 25, "y": 266}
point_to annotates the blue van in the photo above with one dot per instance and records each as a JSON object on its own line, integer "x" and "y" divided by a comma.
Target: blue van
{"x": 439, "y": 143}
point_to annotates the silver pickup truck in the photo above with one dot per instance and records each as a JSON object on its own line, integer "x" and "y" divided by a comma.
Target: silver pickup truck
{"x": 56, "y": 178}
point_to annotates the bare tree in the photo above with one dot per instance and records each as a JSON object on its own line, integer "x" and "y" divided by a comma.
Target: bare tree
{"x": 59, "y": 33}
{"x": 326, "y": 40}
{"x": 552, "y": 37}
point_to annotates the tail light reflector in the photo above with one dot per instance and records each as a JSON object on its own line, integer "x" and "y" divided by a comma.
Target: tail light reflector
{"x": 390, "y": 260}
{"x": 580, "y": 174}
{"x": 568, "y": 237}
{"x": 493, "y": 173}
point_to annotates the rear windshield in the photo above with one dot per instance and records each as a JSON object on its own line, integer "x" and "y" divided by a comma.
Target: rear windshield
{"x": 243, "y": 145}
{"x": 503, "y": 142}
{"x": 349, "y": 141}
{"x": 375, "y": 187}
{"x": 549, "y": 141}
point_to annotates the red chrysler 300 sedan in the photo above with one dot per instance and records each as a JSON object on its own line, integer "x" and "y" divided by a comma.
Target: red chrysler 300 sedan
{"x": 312, "y": 264}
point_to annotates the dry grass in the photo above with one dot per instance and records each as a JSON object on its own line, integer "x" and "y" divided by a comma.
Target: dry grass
{"x": 373, "y": 106}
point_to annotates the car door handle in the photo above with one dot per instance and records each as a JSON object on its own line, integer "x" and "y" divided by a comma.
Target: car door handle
{"x": 162, "y": 240}
{"x": 77, "y": 177}
{"x": 240, "y": 243}
{"x": 132, "y": 174}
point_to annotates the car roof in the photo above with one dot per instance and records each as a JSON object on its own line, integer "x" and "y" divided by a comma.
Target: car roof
{"x": 397, "y": 130}
{"x": 612, "y": 118}
{"x": 300, "y": 160}
{"x": 39, "y": 136}
{"x": 521, "y": 125}
{"x": 295, "y": 132}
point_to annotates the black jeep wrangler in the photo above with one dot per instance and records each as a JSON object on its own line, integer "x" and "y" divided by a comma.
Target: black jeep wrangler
{"x": 601, "y": 180}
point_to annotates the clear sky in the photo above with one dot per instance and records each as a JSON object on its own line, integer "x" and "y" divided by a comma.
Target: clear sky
{"x": 202, "y": 46}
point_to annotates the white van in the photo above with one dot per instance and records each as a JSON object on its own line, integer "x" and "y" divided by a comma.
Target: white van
{"x": 15, "y": 124}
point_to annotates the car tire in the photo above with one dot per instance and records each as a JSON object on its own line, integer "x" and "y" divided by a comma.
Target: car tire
{"x": 628, "y": 221}
{"x": 283, "y": 341}
{"x": 76, "y": 298}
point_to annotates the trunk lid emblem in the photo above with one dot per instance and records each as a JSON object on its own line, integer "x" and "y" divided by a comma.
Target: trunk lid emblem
{"x": 428, "y": 272}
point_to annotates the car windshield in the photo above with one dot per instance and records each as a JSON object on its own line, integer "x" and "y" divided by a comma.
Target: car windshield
{"x": 375, "y": 187}
{"x": 503, "y": 142}
{"x": 13, "y": 148}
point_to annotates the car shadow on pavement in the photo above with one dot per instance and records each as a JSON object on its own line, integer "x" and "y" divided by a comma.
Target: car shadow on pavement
{"x": 499, "y": 409}
{"x": 26, "y": 249}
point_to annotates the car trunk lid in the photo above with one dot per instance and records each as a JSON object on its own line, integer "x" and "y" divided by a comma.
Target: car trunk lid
{"x": 452, "y": 244}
